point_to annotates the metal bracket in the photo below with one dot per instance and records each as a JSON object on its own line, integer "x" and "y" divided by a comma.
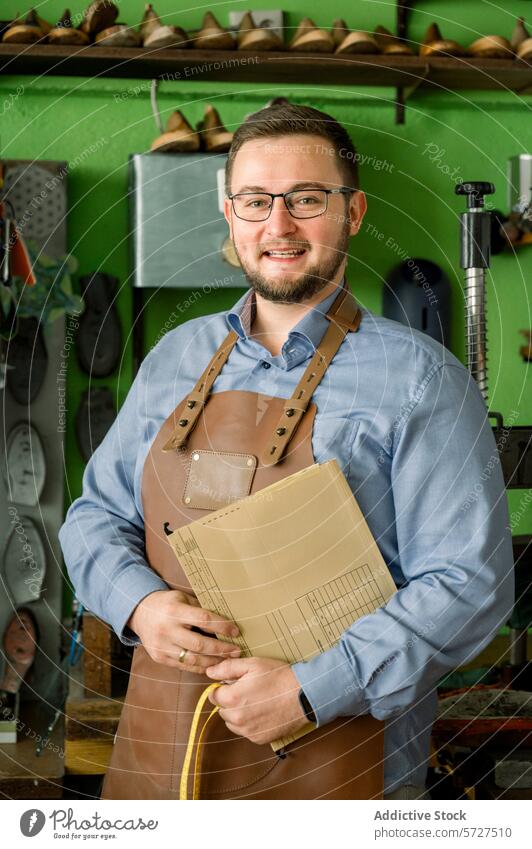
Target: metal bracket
{"x": 403, "y": 9}
{"x": 404, "y": 93}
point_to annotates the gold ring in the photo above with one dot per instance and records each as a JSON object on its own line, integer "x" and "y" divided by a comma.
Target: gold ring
{"x": 182, "y": 654}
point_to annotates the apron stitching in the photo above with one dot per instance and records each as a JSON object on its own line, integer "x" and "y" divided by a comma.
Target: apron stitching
{"x": 248, "y": 784}
{"x": 174, "y": 747}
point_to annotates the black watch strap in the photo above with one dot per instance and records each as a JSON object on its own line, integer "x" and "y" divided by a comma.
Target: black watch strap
{"x": 307, "y": 707}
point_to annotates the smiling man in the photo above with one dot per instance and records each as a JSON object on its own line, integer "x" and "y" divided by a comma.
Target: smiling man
{"x": 226, "y": 404}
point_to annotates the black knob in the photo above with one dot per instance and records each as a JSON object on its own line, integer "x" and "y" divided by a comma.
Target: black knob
{"x": 475, "y": 192}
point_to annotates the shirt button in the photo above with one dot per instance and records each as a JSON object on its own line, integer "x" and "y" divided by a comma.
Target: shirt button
{"x": 266, "y": 365}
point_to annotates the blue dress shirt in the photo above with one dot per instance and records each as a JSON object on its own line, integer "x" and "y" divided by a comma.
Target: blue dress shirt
{"x": 408, "y": 427}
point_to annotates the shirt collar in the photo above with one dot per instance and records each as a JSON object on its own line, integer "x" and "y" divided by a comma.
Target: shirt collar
{"x": 311, "y": 327}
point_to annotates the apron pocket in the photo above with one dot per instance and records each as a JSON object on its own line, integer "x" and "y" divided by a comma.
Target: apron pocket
{"x": 232, "y": 765}
{"x": 217, "y": 478}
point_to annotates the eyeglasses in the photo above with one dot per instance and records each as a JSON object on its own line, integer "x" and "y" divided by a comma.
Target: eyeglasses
{"x": 303, "y": 203}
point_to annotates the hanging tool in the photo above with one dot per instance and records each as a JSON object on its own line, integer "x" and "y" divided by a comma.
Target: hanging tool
{"x": 76, "y": 645}
{"x": 514, "y": 443}
{"x": 55, "y": 693}
{"x": 43, "y": 742}
{"x": 475, "y": 238}
{"x": 15, "y": 260}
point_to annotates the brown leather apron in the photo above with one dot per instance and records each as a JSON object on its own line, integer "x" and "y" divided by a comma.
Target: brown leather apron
{"x": 204, "y": 456}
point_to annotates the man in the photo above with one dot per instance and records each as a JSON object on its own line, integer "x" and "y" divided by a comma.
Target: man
{"x": 408, "y": 427}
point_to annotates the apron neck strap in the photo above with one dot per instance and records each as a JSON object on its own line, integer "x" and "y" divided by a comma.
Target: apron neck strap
{"x": 199, "y": 396}
{"x": 344, "y": 316}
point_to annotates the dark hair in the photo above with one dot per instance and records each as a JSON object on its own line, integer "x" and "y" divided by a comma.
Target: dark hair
{"x": 288, "y": 119}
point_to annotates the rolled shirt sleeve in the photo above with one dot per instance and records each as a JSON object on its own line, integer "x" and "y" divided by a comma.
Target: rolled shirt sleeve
{"x": 103, "y": 534}
{"x": 455, "y": 553}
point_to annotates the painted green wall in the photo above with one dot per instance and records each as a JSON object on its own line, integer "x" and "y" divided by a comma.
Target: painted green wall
{"x": 410, "y": 193}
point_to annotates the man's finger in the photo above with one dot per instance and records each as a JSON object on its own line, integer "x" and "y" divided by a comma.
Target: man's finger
{"x": 208, "y": 621}
{"x": 230, "y": 670}
{"x": 192, "y": 663}
{"x": 222, "y": 697}
{"x": 193, "y": 601}
{"x": 199, "y": 644}
{"x": 195, "y": 662}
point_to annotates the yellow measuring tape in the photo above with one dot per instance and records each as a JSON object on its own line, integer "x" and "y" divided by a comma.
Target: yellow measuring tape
{"x": 183, "y": 788}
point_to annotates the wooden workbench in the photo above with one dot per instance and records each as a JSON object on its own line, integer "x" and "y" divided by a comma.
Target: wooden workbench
{"x": 23, "y": 775}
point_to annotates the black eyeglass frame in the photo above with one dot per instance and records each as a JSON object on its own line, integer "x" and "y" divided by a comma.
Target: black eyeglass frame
{"x": 283, "y": 196}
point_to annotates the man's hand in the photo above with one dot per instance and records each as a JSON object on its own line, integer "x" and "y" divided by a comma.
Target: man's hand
{"x": 163, "y": 622}
{"x": 263, "y": 703}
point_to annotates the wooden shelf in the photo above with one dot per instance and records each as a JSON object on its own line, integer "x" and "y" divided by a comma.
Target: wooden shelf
{"x": 242, "y": 66}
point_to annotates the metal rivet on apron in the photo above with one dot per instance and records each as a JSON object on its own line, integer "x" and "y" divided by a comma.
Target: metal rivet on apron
{"x": 195, "y": 456}
{"x": 187, "y": 500}
{"x": 280, "y": 431}
{"x": 183, "y": 422}
{"x": 191, "y": 404}
{"x": 289, "y": 412}
{"x": 250, "y": 462}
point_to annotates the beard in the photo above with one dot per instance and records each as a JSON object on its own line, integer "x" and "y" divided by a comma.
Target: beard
{"x": 295, "y": 288}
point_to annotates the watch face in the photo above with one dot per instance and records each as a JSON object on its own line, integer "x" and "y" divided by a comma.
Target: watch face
{"x": 24, "y": 561}
{"x": 25, "y": 470}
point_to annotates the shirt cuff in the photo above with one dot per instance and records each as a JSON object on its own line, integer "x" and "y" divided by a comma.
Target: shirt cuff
{"x": 329, "y": 684}
{"x": 125, "y": 601}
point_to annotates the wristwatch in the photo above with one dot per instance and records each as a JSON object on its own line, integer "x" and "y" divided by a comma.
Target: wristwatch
{"x": 307, "y": 708}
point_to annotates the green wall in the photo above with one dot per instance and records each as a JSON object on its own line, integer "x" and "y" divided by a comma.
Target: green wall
{"x": 410, "y": 193}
